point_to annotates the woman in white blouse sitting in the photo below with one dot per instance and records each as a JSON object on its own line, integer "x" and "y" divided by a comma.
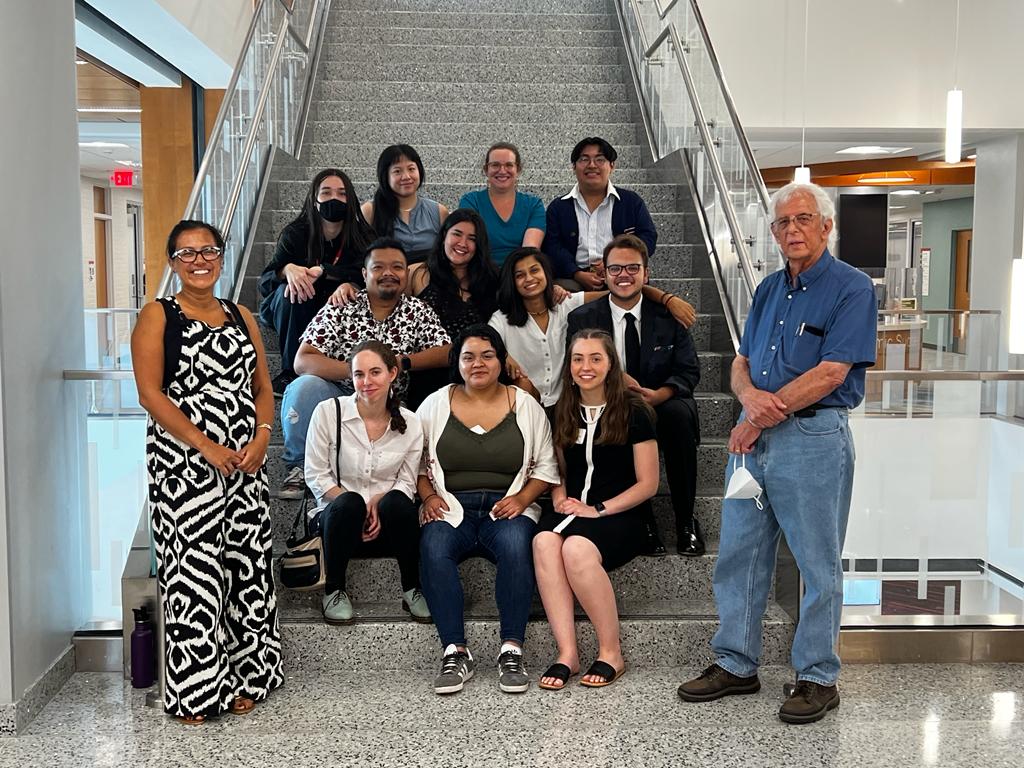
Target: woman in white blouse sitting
{"x": 533, "y": 317}
{"x": 362, "y": 456}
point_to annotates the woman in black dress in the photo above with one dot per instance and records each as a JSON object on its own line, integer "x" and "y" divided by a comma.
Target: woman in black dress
{"x": 606, "y": 443}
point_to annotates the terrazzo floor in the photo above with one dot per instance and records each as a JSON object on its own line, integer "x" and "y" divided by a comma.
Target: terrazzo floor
{"x": 956, "y": 715}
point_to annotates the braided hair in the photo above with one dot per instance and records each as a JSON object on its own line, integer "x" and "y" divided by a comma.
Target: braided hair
{"x": 390, "y": 360}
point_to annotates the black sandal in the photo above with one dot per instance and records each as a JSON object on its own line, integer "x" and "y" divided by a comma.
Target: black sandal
{"x": 559, "y": 672}
{"x": 605, "y": 671}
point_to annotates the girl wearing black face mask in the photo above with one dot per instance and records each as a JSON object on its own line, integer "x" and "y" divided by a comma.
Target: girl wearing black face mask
{"x": 318, "y": 258}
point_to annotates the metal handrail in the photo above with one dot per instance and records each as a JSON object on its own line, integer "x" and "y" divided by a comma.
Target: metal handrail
{"x": 739, "y": 242}
{"x": 748, "y": 153}
{"x": 255, "y": 127}
{"x": 204, "y": 165}
{"x": 1011, "y": 375}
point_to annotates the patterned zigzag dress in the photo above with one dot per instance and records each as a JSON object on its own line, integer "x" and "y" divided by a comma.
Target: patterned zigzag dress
{"x": 212, "y": 533}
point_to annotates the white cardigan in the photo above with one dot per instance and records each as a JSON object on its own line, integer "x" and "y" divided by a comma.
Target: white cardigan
{"x": 538, "y": 452}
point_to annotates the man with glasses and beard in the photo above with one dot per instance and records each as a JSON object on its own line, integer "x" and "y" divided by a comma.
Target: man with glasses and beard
{"x": 660, "y": 362}
{"x": 381, "y": 312}
{"x": 800, "y": 367}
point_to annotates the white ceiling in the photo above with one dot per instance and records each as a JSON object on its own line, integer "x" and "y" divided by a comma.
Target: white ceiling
{"x": 101, "y": 162}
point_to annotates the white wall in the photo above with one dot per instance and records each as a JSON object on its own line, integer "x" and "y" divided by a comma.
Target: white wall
{"x": 872, "y": 63}
{"x": 40, "y": 336}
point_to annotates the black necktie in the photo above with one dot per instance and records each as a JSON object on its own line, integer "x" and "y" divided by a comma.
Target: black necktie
{"x": 632, "y": 345}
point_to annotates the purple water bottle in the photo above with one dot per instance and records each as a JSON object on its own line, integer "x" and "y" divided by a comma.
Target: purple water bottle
{"x": 143, "y": 650}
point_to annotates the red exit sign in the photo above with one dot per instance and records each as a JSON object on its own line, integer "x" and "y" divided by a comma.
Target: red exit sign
{"x": 123, "y": 178}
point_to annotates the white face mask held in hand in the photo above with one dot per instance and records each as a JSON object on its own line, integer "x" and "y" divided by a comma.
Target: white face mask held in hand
{"x": 742, "y": 484}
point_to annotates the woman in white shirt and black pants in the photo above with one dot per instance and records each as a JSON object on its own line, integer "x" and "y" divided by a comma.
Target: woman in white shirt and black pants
{"x": 362, "y": 457}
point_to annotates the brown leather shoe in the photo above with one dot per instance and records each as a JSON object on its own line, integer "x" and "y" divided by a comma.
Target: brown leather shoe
{"x": 809, "y": 702}
{"x": 714, "y": 683}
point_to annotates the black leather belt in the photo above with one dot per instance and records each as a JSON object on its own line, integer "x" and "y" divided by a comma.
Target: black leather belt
{"x": 810, "y": 410}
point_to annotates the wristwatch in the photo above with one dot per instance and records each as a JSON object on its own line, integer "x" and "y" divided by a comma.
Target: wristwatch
{"x": 406, "y": 363}
{"x": 600, "y": 508}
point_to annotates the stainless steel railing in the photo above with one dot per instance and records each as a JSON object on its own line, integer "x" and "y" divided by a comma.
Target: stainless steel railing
{"x": 264, "y": 108}
{"x": 687, "y": 107}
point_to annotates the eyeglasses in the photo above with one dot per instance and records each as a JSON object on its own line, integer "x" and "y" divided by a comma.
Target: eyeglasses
{"x": 802, "y": 220}
{"x": 502, "y": 166}
{"x": 188, "y": 255}
{"x": 630, "y": 269}
{"x": 584, "y": 160}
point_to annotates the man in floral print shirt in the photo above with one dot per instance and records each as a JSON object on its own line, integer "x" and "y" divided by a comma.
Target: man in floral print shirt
{"x": 382, "y": 312}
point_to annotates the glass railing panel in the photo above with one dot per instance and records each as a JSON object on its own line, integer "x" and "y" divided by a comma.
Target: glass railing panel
{"x": 116, "y": 484}
{"x": 108, "y": 334}
{"x": 935, "y": 532}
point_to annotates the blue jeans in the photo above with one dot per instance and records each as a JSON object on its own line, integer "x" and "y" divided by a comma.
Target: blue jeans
{"x": 805, "y": 466}
{"x": 507, "y": 543}
{"x": 300, "y": 400}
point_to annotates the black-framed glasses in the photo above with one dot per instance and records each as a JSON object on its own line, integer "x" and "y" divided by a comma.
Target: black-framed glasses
{"x": 630, "y": 269}
{"x": 802, "y": 220}
{"x": 188, "y": 255}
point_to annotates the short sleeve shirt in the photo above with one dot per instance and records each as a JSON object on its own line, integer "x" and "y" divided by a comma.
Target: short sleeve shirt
{"x": 506, "y": 236}
{"x": 831, "y": 314}
{"x": 411, "y": 327}
{"x": 614, "y": 469}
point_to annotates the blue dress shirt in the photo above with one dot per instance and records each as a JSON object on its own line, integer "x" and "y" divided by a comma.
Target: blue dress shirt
{"x": 830, "y": 315}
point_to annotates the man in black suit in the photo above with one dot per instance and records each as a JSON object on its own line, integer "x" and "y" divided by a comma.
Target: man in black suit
{"x": 661, "y": 365}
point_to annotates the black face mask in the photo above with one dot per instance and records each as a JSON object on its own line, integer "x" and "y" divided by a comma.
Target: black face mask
{"x": 333, "y": 210}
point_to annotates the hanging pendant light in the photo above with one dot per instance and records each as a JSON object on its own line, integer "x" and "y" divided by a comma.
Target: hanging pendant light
{"x": 954, "y": 103}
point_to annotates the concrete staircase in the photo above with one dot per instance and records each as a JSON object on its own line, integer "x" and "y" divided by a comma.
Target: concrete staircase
{"x": 450, "y": 77}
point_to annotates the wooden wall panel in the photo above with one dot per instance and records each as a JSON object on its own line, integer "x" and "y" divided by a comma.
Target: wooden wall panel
{"x": 167, "y": 158}
{"x": 212, "y": 99}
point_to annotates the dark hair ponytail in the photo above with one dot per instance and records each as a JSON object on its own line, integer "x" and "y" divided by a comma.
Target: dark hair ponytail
{"x": 390, "y": 360}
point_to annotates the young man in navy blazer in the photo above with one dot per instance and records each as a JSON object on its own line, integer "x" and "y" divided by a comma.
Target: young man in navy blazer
{"x": 659, "y": 359}
{"x": 581, "y": 223}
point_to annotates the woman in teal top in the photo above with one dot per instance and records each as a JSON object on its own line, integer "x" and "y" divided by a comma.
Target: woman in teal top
{"x": 513, "y": 219}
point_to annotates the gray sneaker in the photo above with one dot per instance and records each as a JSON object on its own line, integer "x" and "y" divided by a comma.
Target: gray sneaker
{"x": 512, "y": 677}
{"x": 456, "y": 668}
{"x": 293, "y": 485}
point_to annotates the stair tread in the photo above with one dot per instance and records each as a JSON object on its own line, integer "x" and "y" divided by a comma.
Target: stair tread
{"x": 629, "y": 610}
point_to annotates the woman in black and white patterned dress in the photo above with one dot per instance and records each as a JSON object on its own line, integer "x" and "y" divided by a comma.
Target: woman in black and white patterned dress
{"x": 202, "y": 376}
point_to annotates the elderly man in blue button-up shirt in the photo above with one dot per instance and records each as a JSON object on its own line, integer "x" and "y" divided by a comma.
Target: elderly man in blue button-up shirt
{"x": 800, "y": 367}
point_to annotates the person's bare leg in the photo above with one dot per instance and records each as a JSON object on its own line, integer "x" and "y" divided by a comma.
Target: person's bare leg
{"x": 556, "y": 594}
{"x": 593, "y": 589}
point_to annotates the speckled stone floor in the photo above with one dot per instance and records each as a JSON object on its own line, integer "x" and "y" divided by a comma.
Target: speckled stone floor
{"x": 955, "y": 715}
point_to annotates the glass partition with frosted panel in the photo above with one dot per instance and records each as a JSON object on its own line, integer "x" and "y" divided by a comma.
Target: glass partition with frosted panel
{"x": 929, "y": 340}
{"x": 108, "y": 334}
{"x": 115, "y": 440}
{"x": 936, "y": 534}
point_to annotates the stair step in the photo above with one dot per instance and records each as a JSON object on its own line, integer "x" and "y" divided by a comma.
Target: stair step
{"x": 470, "y": 174}
{"x": 439, "y": 112}
{"x": 516, "y": 37}
{"x": 476, "y": 18}
{"x": 345, "y": 155}
{"x": 660, "y": 198}
{"x": 474, "y": 90}
{"x": 481, "y": 7}
{"x": 482, "y": 51}
{"x": 644, "y": 578}
{"x": 522, "y": 71}
{"x": 380, "y": 640}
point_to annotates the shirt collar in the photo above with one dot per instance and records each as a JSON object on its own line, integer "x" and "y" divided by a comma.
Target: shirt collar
{"x": 363, "y": 298}
{"x": 349, "y": 411}
{"x": 821, "y": 266}
{"x": 619, "y": 314}
{"x": 575, "y": 194}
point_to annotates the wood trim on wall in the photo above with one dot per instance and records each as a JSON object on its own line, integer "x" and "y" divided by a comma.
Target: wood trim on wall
{"x": 167, "y": 158}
